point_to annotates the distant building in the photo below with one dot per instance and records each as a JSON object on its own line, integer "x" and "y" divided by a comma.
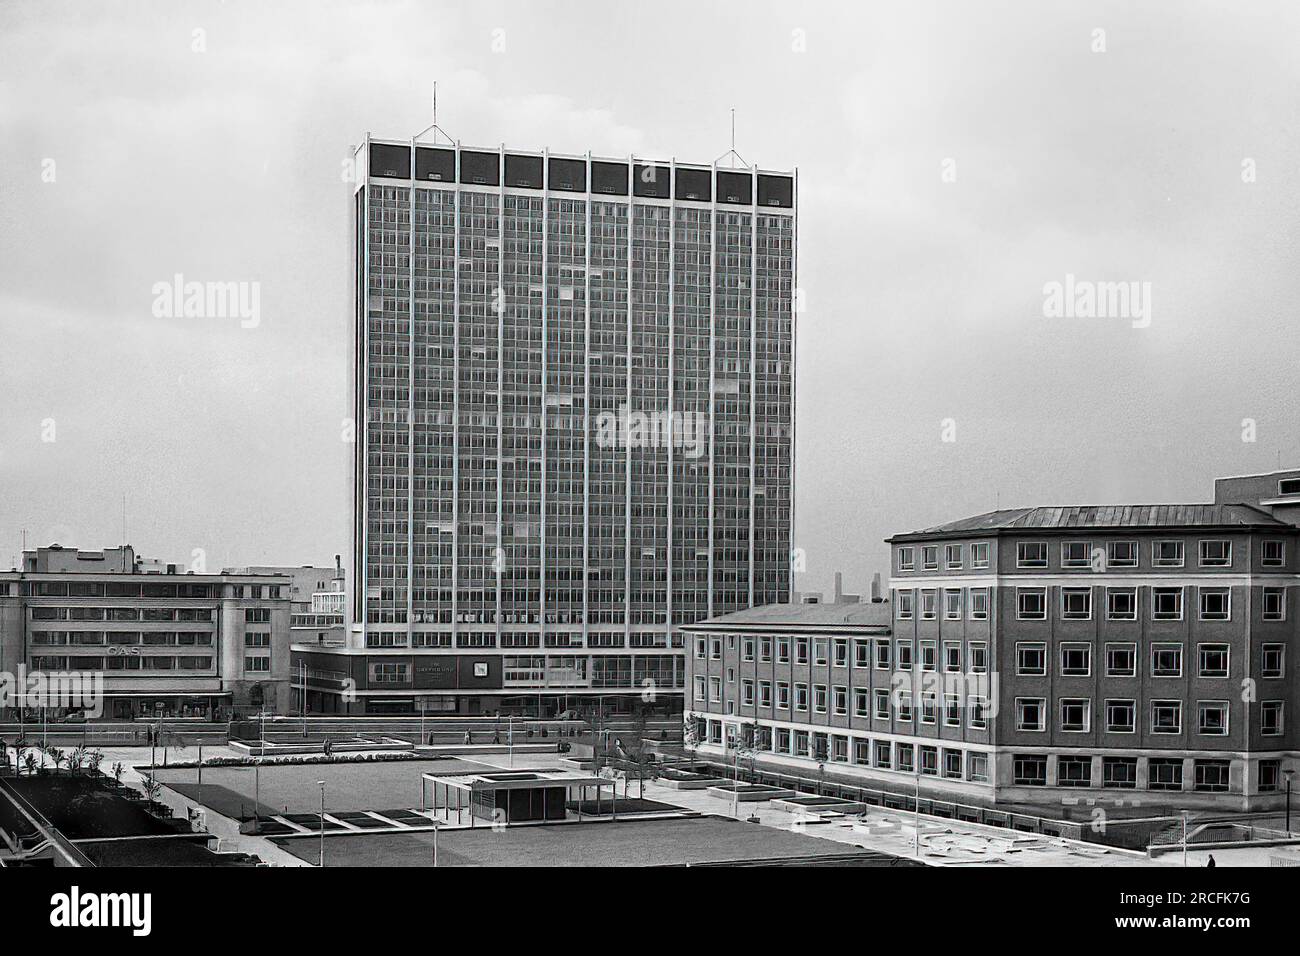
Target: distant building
{"x": 173, "y": 643}
{"x": 1140, "y": 652}
{"x": 316, "y": 596}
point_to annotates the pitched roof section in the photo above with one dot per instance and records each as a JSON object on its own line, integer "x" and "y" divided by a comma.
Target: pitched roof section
{"x": 1105, "y": 516}
{"x": 805, "y": 615}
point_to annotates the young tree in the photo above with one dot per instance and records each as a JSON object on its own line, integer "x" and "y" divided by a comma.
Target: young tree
{"x": 77, "y": 758}
{"x": 118, "y": 770}
{"x": 29, "y": 761}
{"x": 57, "y": 756}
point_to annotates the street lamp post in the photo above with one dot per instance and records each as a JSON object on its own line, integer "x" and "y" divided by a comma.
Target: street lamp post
{"x": 1287, "y": 774}
{"x": 321, "y": 784}
{"x": 916, "y": 808}
{"x": 257, "y": 796}
{"x": 1184, "y": 815}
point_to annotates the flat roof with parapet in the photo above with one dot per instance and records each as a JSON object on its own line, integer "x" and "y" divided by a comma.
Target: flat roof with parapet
{"x": 518, "y": 780}
{"x": 768, "y": 616}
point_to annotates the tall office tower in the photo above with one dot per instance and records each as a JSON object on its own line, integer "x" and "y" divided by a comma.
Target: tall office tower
{"x": 574, "y": 406}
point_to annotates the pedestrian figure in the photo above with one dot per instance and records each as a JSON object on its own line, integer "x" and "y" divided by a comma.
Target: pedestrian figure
{"x": 1210, "y": 861}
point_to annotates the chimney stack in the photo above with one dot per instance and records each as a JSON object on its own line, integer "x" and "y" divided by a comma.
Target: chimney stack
{"x": 875, "y": 589}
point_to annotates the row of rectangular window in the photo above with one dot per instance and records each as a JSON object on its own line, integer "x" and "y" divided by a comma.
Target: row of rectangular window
{"x": 1212, "y": 553}
{"x": 880, "y": 754}
{"x": 1163, "y": 773}
{"x": 878, "y": 703}
{"x": 1074, "y": 715}
{"x": 1212, "y": 660}
{"x": 977, "y": 654}
{"x": 1215, "y": 604}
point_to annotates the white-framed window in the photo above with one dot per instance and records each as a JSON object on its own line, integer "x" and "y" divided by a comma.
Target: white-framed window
{"x": 952, "y": 556}
{"x": 700, "y": 688}
{"x": 906, "y": 558}
{"x": 747, "y": 692}
{"x": 1273, "y": 553}
{"x": 952, "y": 604}
{"x": 1076, "y": 715}
{"x": 1121, "y": 660}
{"x": 715, "y": 651}
{"x": 821, "y": 651}
{"x": 979, "y": 604}
{"x": 819, "y": 698}
{"x": 861, "y": 702}
{"x": 861, "y": 653}
{"x": 1031, "y": 714}
{"x": 977, "y": 708}
{"x": 882, "y": 655}
{"x": 1031, "y": 659}
{"x": 952, "y": 657}
{"x": 1076, "y": 659}
{"x": 782, "y": 695}
{"x": 929, "y": 604}
{"x": 1167, "y": 554}
{"x": 903, "y": 605}
{"x": 1216, "y": 604}
{"x": 952, "y": 764}
{"x": 1121, "y": 716}
{"x": 1166, "y": 660}
{"x": 881, "y": 711}
{"x": 1272, "y": 660}
{"x": 1215, "y": 552}
{"x": 715, "y": 689}
{"x": 765, "y": 693}
{"x": 1076, "y": 554}
{"x": 1076, "y": 604}
{"x": 1031, "y": 554}
{"x": 1031, "y": 604}
{"x": 929, "y": 707}
{"x": 951, "y": 710}
{"x": 783, "y": 650}
{"x": 1166, "y": 717}
{"x": 977, "y": 766}
{"x": 701, "y": 649}
{"x": 929, "y": 656}
{"x": 1274, "y": 604}
{"x": 979, "y": 554}
{"x": 979, "y": 657}
{"x": 882, "y": 754}
{"x": 765, "y": 650}
{"x": 1121, "y": 604}
{"x": 1212, "y": 718}
{"x": 930, "y": 557}
{"x": 1122, "y": 554}
{"x": 840, "y": 652}
{"x": 801, "y": 650}
{"x": 801, "y": 697}
{"x": 1270, "y": 718}
{"x": 1212, "y": 660}
{"x": 903, "y": 655}
{"x": 1166, "y": 604}
{"x": 840, "y": 700}
{"x": 747, "y": 649}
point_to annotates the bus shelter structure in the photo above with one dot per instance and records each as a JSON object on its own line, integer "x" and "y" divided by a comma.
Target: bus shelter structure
{"x": 531, "y": 796}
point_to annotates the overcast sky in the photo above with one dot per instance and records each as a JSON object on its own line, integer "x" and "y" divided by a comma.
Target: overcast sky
{"x": 954, "y": 159}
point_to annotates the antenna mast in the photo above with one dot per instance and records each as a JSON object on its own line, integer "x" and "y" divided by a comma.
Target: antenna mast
{"x": 434, "y": 127}
{"x": 731, "y": 155}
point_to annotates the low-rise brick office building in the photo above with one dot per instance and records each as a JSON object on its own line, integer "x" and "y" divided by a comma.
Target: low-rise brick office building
{"x": 1039, "y": 655}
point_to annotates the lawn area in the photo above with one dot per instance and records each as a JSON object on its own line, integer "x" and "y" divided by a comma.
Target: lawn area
{"x": 667, "y": 841}
{"x": 83, "y": 808}
{"x": 293, "y": 788}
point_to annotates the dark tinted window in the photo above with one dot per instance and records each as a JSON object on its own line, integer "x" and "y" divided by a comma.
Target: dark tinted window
{"x": 436, "y": 164}
{"x": 481, "y": 168}
{"x": 391, "y": 161}
{"x": 735, "y": 187}
{"x": 569, "y": 175}
{"x": 609, "y": 178}
{"x": 776, "y": 191}
{"x": 651, "y": 181}
{"x": 694, "y": 184}
{"x": 525, "y": 171}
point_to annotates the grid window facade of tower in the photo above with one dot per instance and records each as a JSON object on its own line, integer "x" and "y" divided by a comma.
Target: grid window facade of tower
{"x": 508, "y": 338}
